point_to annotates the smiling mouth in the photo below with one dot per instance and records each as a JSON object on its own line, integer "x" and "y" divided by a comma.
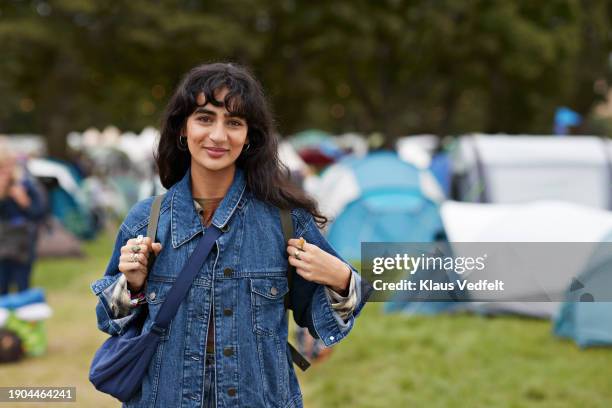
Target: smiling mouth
{"x": 216, "y": 149}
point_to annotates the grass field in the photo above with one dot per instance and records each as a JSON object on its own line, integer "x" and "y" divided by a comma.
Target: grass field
{"x": 387, "y": 361}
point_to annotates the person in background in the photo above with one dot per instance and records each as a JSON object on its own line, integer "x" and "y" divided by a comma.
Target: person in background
{"x": 22, "y": 207}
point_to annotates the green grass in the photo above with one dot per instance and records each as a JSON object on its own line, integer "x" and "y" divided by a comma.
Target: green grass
{"x": 468, "y": 361}
{"x": 387, "y": 361}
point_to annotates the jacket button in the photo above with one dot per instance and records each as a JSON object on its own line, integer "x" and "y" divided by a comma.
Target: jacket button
{"x": 231, "y": 392}
{"x": 273, "y": 291}
{"x": 227, "y": 312}
{"x": 228, "y": 351}
{"x": 152, "y": 296}
{"x": 225, "y": 228}
{"x": 227, "y": 272}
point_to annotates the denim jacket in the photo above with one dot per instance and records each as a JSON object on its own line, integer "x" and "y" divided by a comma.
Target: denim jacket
{"x": 244, "y": 281}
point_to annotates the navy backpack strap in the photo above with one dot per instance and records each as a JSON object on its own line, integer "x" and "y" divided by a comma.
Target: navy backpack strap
{"x": 288, "y": 232}
{"x": 287, "y": 224}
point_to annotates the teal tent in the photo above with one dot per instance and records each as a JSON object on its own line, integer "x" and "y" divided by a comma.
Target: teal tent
{"x": 586, "y": 315}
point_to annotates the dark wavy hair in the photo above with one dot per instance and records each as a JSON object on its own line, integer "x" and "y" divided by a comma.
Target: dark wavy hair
{"x": 266, "y": 177}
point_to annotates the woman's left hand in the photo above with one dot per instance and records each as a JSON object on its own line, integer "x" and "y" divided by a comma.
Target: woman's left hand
{"x": 316, "y": 265}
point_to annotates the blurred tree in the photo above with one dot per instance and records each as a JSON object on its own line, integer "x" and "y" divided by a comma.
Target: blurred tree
{"x": 446, "y": 66}
{"x": 393, "y": 66}
{"x": 81, "y": 63}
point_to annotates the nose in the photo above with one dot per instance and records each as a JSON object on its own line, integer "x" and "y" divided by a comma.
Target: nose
{"x": 217, "y": 133}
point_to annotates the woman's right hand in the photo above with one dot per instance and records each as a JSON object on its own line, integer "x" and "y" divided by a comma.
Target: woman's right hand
{"x": 133, "y": 262}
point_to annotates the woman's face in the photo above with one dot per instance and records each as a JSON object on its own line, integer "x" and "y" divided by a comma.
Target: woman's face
{"x": 214, "y": 138}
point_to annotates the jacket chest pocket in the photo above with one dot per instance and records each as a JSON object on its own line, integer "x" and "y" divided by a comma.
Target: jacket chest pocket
{"x": 267, "y": 302}
{"x": 155, "y": 295}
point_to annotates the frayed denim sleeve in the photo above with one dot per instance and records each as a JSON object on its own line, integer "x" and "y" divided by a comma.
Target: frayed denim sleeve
{"x": 344, "y": 306}
{"x": 104, "y": 287}
{"x": 312, "y": 302}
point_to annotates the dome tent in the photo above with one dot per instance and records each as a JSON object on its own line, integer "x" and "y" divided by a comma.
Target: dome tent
{"x": 377, "y": 198}
{"x": 425, "y": 152}
{"x": 503, "y": 169}
{"x": 533, "y": 225}
{"x": 586, "y": 314}
{"x": 66, "y": 198}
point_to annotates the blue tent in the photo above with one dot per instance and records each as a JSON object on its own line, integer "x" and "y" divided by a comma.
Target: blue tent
{"x": 23, "y": 298}
{"x": 381, "y": 198}
{"x": 441, "y": 168}
{"x": 587, "y": 312}
{"x": 386, "y": 200}
{"x": 386, "y": 203}
{"x": 65, "y": 197}
{"x": 74, "y": 216}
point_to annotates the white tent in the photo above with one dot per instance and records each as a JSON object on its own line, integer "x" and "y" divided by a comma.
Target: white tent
{"x": 539, "y": 222}
{"x": 139, "y": 148}
{"x": 517, "y": 169}
{"x": 417, "y": 149}
{"x": 354, "y": 143}
{"x": 25, "y": 145}
{"x": 48, "y": 168}
{"x": 290, "y": 158}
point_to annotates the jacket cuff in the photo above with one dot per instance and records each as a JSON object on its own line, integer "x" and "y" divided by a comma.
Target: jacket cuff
{"x": 343, "y": 306}
{"x": 110, "y": 319}
{"x": 329, "y": 327}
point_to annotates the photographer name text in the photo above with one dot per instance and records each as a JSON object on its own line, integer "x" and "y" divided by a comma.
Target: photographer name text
{"x": 432, "y": 286}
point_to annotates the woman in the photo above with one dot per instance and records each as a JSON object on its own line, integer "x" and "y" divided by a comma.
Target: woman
{"x": 227, "y": 343}
{"x": 22, "y": 208}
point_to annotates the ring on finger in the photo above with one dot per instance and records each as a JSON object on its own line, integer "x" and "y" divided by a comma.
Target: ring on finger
{"x": 297, "y": 255}
{"x": 301, "y": 243}
{"x": 134, "y": 258}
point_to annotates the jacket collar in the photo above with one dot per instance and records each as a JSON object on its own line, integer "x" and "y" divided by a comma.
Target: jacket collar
{"x": 185, "y": 222}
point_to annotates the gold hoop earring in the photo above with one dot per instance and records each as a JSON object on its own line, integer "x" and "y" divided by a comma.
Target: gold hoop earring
{"x": 182, "y": 143}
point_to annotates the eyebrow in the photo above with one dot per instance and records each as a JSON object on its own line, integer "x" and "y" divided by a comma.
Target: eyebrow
{"x": 209, "y": 112}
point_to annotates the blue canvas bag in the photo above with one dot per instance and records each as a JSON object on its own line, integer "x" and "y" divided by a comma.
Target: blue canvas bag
{"x": 120, "y": 364}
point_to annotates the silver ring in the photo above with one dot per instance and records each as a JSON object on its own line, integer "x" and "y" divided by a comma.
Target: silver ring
{"x": 134, "y": 258}
{"x": 297, "y": 255}
{"x": 139, "y": 239}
